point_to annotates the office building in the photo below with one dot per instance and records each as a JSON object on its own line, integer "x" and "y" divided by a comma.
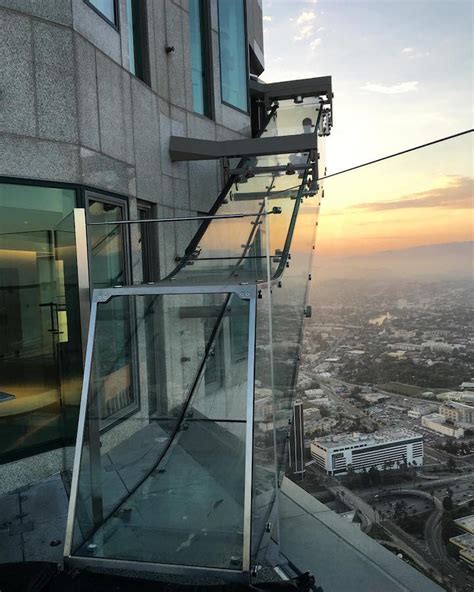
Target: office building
{"x": 93, "y": 91}
{"x": 420, "y": 410}
{"x": 382, "y": 449}
{"x": 459, "y": 413}
{"x": 436, "y": 422}
{"x": 465, "y": 544}
{"x": 296, "y": 460}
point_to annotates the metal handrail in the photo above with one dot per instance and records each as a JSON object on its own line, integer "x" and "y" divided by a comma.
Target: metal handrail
{"x": 184, "y": 218}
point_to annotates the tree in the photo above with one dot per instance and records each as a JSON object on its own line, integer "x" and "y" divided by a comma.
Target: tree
{"x": 451, "y": 464}
{"x": 374, "y": 475}
{"x": 364, "y": 478}
{"x": 447, "y": 503}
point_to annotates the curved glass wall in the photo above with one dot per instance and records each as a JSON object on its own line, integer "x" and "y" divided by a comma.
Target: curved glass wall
{"x": 224, "y": 373}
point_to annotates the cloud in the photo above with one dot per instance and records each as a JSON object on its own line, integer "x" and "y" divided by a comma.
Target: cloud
{"x": 307, "y": 16}
{"x": 315, "y": 43}
{"x": 267, "y": 18}
{"x": 394, "y": 89}
{"x": 458, "y": 195}
{"x": 412, "y": 53}
{"x": 305, "y": 22}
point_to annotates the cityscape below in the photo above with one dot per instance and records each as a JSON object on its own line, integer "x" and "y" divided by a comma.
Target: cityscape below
{"x": 386, "y": 406}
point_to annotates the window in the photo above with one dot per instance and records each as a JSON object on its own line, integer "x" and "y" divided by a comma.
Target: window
{"x": 138, "y": 39}
{"x": 109, "y": 266}
{"x": 106, "y": 8}
{"x": 147, "y": 244}
{"x": 201, "y": 63}
{"x": 233, "y": 53}
{"x": 40, "y": 345}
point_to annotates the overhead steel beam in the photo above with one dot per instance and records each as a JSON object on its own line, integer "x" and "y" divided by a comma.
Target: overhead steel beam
{"x": 193, "y": 149}
{"x": 305, "y": 87}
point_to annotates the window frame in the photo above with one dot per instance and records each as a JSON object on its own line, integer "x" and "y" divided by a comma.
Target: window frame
{"x": 246, "y": 42}
{"x": 115, "y": 24}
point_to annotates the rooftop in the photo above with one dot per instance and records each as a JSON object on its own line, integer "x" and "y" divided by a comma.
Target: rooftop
{"x": 464, "y": 541}
{"x": 466, "y": 523}
{"x": 457, "y": 405}
{"x": 312, "y": 535}
{"x": 435, "y": 417}
{"x": 379, "y": 437}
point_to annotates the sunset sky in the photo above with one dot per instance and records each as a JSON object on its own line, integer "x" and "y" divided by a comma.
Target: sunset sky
{"x": 402, "y": 75}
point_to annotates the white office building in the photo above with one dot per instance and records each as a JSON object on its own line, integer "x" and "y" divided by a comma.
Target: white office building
{"x": 362, "y": 451}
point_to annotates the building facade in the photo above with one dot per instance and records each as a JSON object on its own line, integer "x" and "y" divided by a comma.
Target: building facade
{"x": 383, "y": 449}
{"x": 459, "y": 413}
{"x": 92, "y": 93}
{"x": 436, "y": 422}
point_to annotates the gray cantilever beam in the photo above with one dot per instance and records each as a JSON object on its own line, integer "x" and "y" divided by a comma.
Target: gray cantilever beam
{"x": 194, "y": 149}
{"x": 289, "y": 89}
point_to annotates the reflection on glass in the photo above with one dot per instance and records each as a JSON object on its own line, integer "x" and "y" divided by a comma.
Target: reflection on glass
{"x": 159, "y": 485}
{"x": 105, "y": 7}
{"x": 40, "y": 349}
{"x": 200, "y": 65}
{"x": 108, "y": 268}
{"x": 232, "y": 51}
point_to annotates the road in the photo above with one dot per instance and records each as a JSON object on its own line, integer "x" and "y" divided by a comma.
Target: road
{"x": 431, "y": 554}
{"x": 454, "y": 577}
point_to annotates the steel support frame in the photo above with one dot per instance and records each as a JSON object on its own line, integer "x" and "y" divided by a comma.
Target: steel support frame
{"x": 182, "y": 148}
{"x": 245, "y": 292}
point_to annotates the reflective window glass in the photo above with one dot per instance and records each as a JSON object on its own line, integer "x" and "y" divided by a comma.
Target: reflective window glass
{"x": 138, "y": 39}
{"x": 200, "y": 59}
{"x": 106, "y": 8}
{"x": 233, "y": 57}
{"x": 40, "y": 344}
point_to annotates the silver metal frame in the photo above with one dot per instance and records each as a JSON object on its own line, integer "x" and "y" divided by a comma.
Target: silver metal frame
{"x": 245, "y": 292}
{"x": 249, "y": 435}
{"x": 80, "y": 433}
{"x": 82, "y": 257}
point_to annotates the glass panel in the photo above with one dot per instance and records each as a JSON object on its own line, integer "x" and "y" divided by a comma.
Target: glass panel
{"x": 235, "y": 248}
{"x": 105, "y": 7}
{"x": 199, "y": 58}
{"x": 167, "y": 486}
{"x": 233, "y": 53}
{"x": 40, "y": 349}
{"x": 138, "y": 39}
{"x": 108, "y": 268}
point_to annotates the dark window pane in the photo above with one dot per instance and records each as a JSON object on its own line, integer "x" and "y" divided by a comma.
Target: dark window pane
{"x": 138, "y": 39}
{"x": 233, "y": 59}
{"x": 200, "y": 59}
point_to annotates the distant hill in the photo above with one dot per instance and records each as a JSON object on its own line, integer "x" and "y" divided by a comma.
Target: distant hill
{"x": 425, "y": 262}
